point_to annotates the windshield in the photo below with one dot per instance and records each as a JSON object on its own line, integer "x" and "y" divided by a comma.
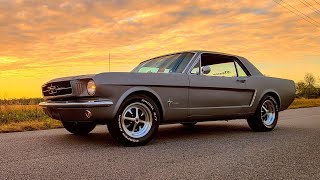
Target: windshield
{"x": 174, "y": 63}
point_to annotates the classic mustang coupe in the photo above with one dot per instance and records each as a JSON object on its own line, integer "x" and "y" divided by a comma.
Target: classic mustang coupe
{"x": 185, "y": 87}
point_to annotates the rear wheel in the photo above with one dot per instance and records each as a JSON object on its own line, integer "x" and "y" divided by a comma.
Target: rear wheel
{"x": 136, "y": 122}
{"x": 79, "y": 128}
{"x": 266, "y": 115}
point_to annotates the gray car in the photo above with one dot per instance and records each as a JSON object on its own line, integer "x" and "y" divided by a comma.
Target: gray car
{"x": 185, "y": 87}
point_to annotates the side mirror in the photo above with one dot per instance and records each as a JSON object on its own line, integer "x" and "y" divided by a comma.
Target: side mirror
{"x": 205, "y": 69}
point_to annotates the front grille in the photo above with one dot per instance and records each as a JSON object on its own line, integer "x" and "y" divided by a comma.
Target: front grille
{"x": 79, "y": 88}
{"x": 57, "y": 88}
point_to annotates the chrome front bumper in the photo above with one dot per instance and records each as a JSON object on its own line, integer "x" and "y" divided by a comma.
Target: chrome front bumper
{"x": 77, "y": 104}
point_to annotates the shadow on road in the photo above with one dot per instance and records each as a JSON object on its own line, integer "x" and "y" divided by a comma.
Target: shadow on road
{"x": 167, "y": 133}
{"x": 201, "y": 130}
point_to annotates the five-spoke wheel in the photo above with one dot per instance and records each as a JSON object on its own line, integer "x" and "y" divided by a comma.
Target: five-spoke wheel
{"x": 268, "y": 112}
{"x": 266, "y": 115}
{"x": 136, "y": 122}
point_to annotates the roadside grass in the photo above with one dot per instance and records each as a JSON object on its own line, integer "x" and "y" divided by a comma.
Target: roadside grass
{"x": 18, "y": 113}
{"x": 30, "y": 125}
{"x": 304, "y": 103}
{"x": 17, "y": 118}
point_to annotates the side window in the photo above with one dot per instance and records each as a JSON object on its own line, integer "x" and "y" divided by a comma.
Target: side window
{"x": 218, "y": 65}
{"x": 241, "y": 72}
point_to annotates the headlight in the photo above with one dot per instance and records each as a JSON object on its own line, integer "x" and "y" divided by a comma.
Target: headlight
{"x": 91, "y": 88}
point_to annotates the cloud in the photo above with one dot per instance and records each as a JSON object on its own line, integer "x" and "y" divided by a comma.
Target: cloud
{"x": 57, "y": 38}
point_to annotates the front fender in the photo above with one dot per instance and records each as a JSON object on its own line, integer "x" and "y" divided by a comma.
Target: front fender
{"x": 133, "y": 90}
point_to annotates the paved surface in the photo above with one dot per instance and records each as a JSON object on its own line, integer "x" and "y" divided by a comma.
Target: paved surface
{"x": 213, "y": 150}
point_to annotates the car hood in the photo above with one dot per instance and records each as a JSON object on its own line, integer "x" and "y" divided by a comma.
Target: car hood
{"x": 131, "y": 78}
{"x": 69, "y": 78}
{"x": 141, "y": 79}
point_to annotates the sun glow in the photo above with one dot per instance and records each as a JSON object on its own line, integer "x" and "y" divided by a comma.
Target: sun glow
{"x": 42, "y": 40}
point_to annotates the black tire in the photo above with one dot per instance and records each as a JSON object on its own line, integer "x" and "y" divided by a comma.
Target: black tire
{"x": 189, "y": 124}
{"x": 126, "y": 132}
{"x": 79, "y": 128}
{"x": 257, "y": 121}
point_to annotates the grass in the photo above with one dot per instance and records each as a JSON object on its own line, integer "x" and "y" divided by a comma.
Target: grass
{"x": 18, "y": 113}
{"x": 30, "y": 125}
{"x": 17, "y": 118}
{"x": 304, "y": 103}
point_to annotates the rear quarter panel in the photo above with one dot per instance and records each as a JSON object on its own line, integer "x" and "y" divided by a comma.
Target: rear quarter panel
{"x": 285, "y": 90}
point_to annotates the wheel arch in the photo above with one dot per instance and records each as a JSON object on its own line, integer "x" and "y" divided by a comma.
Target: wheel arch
{"x": 273, "y": 94}
{"x": 145, "y": 91}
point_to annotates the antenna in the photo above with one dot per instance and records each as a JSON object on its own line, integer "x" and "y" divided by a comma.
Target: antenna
{"x": 109, "y": 62}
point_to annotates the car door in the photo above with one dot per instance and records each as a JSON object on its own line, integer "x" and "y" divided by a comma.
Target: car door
{"x": 217, "y": 88}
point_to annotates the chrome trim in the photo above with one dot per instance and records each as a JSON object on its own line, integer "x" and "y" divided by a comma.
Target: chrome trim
{"x": 58, "y": 89}
{"x": 253, "y": 98}
{"x": 79, "y": 87}
{"x": 191, "y": 60}
{"x": 57, "y": 97}
{"x": 195, "y": 63}
{"x": 218, "y": 107}
{"x": 77, "y": 104}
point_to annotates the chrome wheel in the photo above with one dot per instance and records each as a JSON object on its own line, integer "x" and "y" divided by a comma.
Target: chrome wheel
{"x": 136, "y": 120}
{"x": 268, "y": 113}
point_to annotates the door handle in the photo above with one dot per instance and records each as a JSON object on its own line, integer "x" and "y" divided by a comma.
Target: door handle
{"x": 241, "y": 80}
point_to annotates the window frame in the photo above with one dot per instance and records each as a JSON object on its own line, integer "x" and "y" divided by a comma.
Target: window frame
{"x": 235, "y": 60}
{"x": 243, "y": 67}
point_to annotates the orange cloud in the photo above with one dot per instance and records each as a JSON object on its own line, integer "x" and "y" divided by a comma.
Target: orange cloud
{"x": 41, "y": 40}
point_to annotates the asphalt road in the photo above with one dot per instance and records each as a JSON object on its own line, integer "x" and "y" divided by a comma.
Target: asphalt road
{"x": 212, "y": 150}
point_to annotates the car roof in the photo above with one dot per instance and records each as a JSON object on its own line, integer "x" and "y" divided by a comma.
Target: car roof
{"x": 212, "y": 52}
{"x": 193, "y": 51}
{"x": 250, "y": 67}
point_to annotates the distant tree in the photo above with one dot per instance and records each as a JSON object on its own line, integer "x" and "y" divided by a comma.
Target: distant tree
{"x": 308, "y": 87}
{"x": 310, "y": 82}
{"x": 318, "y": 92}
{"x": 310, "y": 79}
{"x": 301, "y": 88}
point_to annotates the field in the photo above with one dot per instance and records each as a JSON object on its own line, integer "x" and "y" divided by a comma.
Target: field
{"x": 305, "y": 103}
{"x": 27, "y": 117}
{"x": 15, "y": 118}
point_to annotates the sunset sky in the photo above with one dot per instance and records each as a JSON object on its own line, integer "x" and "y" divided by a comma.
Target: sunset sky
{"x": 41, "y": 40}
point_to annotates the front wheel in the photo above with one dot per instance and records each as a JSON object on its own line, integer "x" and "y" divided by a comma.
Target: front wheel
{"x": 136, "y": 122}
{"x": 266, "y": 115}
{"x": 79, "y": 128}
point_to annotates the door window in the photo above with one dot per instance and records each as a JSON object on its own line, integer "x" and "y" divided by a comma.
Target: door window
{"x": 218, "y": 65}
